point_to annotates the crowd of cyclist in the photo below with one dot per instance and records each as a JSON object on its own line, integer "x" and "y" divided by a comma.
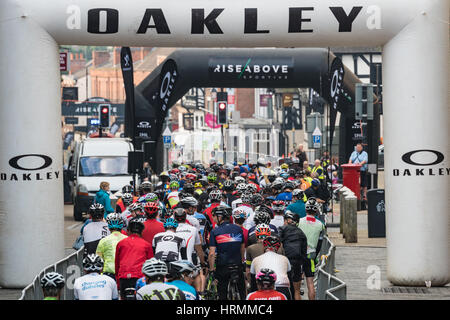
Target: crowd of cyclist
{"x": 228, "y": 232}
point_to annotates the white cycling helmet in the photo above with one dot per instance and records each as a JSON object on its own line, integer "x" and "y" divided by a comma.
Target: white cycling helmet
{"x": 52, "y": 280}
{"x": 154, "y": 267}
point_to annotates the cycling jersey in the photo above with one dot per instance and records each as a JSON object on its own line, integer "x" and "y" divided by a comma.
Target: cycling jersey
{"x": 107, "y": 250}
{"x": 266, "y": 295}
{"x": 236, "y": 203}
{"x": 173, "y": 199}
{"x": 159, "y": 291}
{"x": 131, "y": 254}
{"x": 191, "y": 238}
{"x": 227, "y": 238}
{"x": 169, "y": 246}
{"x": 255, "y": 250}
{"x": 277, "y": 262}
{"x": 208, "y": 212}
{"x": 193, "y": 221}
{"x": 126, "y": 217}
{"x": 277, "y": 221}
{"x": 202, "y": 221}
{"x": 151, "y": 228}
{"x": 285, "y": 196}
{"x": 189, "y": 292}
{"x": 312, "y": 228}
{"x": 94, "y": 286}
{"x": 140, "y": 283}
{"x": 92, "y": 233}
{"x": 298, "y": 208}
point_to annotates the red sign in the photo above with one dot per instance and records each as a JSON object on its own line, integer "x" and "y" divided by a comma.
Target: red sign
{"x": 231, "y": 99}
{"x": 211, "y": 121}
{"x": 64, "y": 61}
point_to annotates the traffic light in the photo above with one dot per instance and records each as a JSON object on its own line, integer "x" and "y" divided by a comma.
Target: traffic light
{"x": 222, "y": 106}
{"x": 104, "y": 110}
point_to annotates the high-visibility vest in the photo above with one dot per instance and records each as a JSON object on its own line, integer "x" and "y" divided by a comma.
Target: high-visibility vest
{"x": 321, "y": 176}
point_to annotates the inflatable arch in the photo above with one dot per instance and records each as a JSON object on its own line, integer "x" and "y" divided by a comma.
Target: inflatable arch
{"x": 414, "y": 35}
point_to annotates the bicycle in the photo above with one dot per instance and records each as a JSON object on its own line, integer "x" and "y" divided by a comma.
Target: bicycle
{"x": 233, "y": 285}
{"x": 210, "y": 292}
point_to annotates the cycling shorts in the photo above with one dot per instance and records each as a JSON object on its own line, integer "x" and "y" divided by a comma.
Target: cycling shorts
{"x": 296, "y": 270}
{"x": 309, "y": 268}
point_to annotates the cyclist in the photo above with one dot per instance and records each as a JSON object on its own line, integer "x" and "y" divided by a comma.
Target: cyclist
{"x": 265, "y": 281}
{"x": 286, "y": 195}
{"x": 155, "y": 289}
{"x": 240, "y": 189}
{"x": 278, "y": 208}
{"x": 190, "y": 204}
{"x": 298, "y": 205}
{"x": 228, "y": 187}
{"x": 239, "y": 215}
{"x": 94, "y": 231}
{"x": 295, "y": 245}
{"x": 106, "y": 248}
{"x": 181, "y": 275}
{"x": 173, "y": 196}
{"x": 272, "y": 260}
{"x": 151, "y": 226}
{"x": 314, "y": 229}
{"x": 215, "y": 197}
{"x": 94, "y": 285}
{"x": 52, "y": 284}
{"x": 167, "y": 245}
{"x": 245, "y": 205}
{"x": 131, "y": 253}
{"x": 227, "y": 241}
{"x": 263, "y": 214}
{"x": 123, "y": 203}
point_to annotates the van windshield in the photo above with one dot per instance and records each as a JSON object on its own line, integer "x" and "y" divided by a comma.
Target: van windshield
{"x": 103, "y": 166}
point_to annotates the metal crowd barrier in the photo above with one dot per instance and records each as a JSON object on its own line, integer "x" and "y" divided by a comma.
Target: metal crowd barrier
{"x": 328, "y": 286}
{"x": 70, "y": 267}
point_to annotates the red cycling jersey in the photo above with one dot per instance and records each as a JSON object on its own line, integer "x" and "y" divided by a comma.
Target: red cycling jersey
{"x": 266, "y": 295}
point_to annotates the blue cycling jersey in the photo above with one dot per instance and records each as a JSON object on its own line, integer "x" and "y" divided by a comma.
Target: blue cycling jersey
{"x": 189, "y": 291}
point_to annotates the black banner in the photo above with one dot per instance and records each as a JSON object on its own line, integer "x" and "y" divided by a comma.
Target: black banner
{"x": 72, "y": 109}
{"x": 336, "y": 88}
{"x": 126, "y": 63}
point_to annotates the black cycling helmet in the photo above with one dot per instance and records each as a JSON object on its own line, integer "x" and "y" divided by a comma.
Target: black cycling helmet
{"x": 136, "y": 225}
{"x": 290, "y": 215}
{"x": 223, "y": 211}
{"x": 179, "y": 214}
{"x": 127, "y": 199}
{"x": 228, "y": 185}
{"x": 262, "y": 216}
{"x": 188, "y": 188}
{"x": 127, "y": 189}
{"x": 266, "y": 276}
{"x": 52, "y": 280}
{"x": 97, "y": 210}
{"x": 93, "y": 262}
{"x": 288, "y": 185}
{"x": 146, "y": 186}
{"x": 257, "y": 200}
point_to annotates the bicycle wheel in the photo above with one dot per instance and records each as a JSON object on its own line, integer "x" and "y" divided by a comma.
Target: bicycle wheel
{"x": 233, "y": 291}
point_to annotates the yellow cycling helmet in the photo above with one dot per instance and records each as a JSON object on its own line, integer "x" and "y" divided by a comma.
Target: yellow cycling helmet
{"x": 198, "y": 185}
{"x": 284, "y": 166}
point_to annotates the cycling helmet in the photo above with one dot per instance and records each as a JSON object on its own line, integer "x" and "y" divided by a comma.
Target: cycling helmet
{"x": 146, "y": 186}
{"x": 182, "y": 168}
{"x": 212, "y": 177}
{"x": 151, "y": 209}
{"x": 180, "y": 267}
{"x": 271, "y": 176}
{"x": 239, "y": 180}
{"x": 52, "y": 280}
{"x": 312, "y": 206}
{"x": 239, "y": 213}
{"x": 257, "y": 200}
{"x": 315, "y": 182}
{"x": 278, "y": 205}
{"x": 136, "y": 224}
{"x": 93, "y": 262}
{"x": 284, "y": 166}
{"x": 262, "y": 231}
{"x": 189, "y": 202}
{"x": 223, "y": 211}
{"x": 127, "y": 199}
{"x": 251, "y": 188}
{"x": 278, "y": 184}
{"x": 215, "y": 196}
{"x": 290, "y": 215}
{"x": 97, "y": 210}
{"x": 135, "y": 206}
{"x": 261, "y": 161}
{"x": 298, "y": 193}
{"x": 154, "y": 267}
{"x": 174, "y": 185}
{"x": 170, "y": 223}
{"x": 266, "y": 276}
{"x": 246, "y": 197}
{"x": 114, "y": 221}
{"x": 198, "y": 184}
{"x": 188, "y": 188}
{"x": 151, "y": 197}
{"x": 241, "y": 187}
{"x": 179, "y": 214}
{"x": 127, "y": 189}
{"x": 288, "y": 185}
{"x": 284, "y": 175}
{"x": 272, "y": 242}
{"x": 261, "y": 216}
{"x": 228, "y": 185}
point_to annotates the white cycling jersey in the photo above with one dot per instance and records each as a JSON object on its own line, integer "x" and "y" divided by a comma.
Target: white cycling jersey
{"x": 193, "y": 221}
{"x": 94, "y": 286}
{"x": 277, "y": 262}
{"x": 168, "y": 246}
{"x": 191, "y": 237}
{"x": 159, "y": 291}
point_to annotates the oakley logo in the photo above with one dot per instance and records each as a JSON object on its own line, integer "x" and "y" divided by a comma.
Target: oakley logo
{"x": 14, "y": 162}
{"x": 407, "y": 158}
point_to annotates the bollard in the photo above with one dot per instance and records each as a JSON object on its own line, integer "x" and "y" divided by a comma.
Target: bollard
{"x": 342, "y": 192}
{"x": 346, "y": 194}
{"x": 351, "y": 219}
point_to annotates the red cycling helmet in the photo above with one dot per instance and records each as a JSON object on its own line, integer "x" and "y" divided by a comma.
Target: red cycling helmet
{"x": 151, "y": 209}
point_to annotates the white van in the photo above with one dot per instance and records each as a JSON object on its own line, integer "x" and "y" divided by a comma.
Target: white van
{"x": 96, "y": 160}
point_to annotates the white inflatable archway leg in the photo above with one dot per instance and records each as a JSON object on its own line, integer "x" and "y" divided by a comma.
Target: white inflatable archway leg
{"x": 416, "y": 117}
{"x": 31, "y": 201}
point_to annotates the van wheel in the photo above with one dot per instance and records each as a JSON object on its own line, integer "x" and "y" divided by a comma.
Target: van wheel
{"x": 77, "y": 214}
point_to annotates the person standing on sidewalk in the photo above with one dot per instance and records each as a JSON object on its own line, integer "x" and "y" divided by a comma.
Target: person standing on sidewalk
{"x": 102, "y": 197}
{"x": 359, "y": 156}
